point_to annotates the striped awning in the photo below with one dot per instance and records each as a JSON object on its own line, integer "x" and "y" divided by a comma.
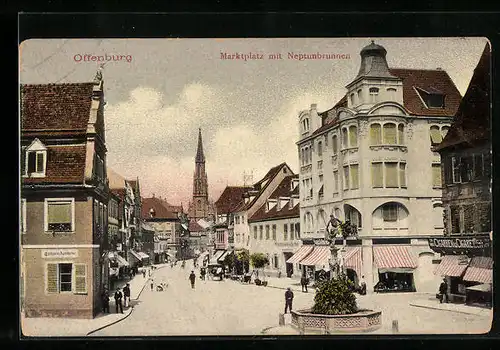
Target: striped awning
{"x": 320, "y": 256}
{"x": 452, "y": 265}
{"x": 480, "y": 270}
{"x": 353, "y": 259}
{"x": 217, "y": 256}
{"x": 135, "y": 255}
{"x": 395, "y": 256}
{"x": 121, "y": 261}
{"x": 300, "y": 254}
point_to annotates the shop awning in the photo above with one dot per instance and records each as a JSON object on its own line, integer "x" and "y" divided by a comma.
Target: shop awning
{"x": 216, "y": 256}
{"x": 121, "y": 261}
{"x": 143, "y": 255}
{"x": 480, "y": 270}
{"x": 223, "y": 256}
{"x": 394, "y": 257}
{"x": 300, "y": 254}
{"x": 319, "y": 256}
{"x": 353, "y": 259}
{"x": 135, "y": 254}
{"x": 486, "y": 287}
{"x": 452, "y": 265}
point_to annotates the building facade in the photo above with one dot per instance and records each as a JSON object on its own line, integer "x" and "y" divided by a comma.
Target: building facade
{"x": 64, "y": 198}
{"x": 369, "y": 160}
{"x": 275, "y": 228}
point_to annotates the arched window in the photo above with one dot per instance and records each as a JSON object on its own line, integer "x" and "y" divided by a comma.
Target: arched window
{"x": 375, "y": 134}
{"x": 352, "y": 99}
{"x": 436, "y": 137}
{"x": 310, "y": 154}
{"x": 444, "y": 130}
{"x": 305, "y": 125}
{"x": 320, "y": 149}
{"x": 401, "y": 134}
{"x": 335, "y": 144}
{"x": 373, "y": 94}
{"x": 353, "y": 136}
{"x": 390, "y": 137}
{"x": 360, "y": 92}
{"x": 344, "y": 138}
{"x": 322, "y": 220}
{"x": 391, "y": 94}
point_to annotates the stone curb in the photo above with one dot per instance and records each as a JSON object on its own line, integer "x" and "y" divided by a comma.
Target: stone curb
{"x": 457, "y": 311}
{"x": 127, "y": 315}
{"x": 112, "y": 323}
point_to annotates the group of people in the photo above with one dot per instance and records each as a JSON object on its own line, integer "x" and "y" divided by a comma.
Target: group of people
{"x": 119, "y": 296}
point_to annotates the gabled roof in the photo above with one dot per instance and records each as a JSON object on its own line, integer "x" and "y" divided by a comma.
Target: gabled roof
{"x": 427, "y": 80}
{"x": 65, "y": 164}
{"x": 472, "y": 121}
{"x": 283, "y": 190}
{"x": 230, "y": 198}
{"x": 50, "y": 107}
{"x": 194, "y": 226}
{"x": 116, "y": 181}
{"x": 161, "y": 208}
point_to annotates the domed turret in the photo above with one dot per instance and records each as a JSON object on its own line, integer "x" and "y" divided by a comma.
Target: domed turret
{"x": 373, "y": 62}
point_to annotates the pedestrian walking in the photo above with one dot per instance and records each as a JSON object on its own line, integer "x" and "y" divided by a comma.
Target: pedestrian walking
{"x": 303, "y": 283}
{"x": 443, "y": 291}
{"x": 192, "y": 278}
{"x": 118, "y": 300}
{"x": 288, "y": 299}
{"x": 144, "y": 273}
{"x": 203, "y": 272}
{"x": 105, "y": 301}
{"x": 152, "y": 283}
{"x": 362, "y": 289}
{"x": 126, "y": 295}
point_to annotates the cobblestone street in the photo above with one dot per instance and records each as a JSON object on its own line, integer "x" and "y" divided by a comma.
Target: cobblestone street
{"x": 232, "y": 308}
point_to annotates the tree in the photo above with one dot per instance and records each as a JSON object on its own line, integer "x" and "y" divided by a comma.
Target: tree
{"x": 243, "y": 260}
{"x": 335, "y": 297}
{"x": 259, "y": 261}
{"x": 229, "y": 261}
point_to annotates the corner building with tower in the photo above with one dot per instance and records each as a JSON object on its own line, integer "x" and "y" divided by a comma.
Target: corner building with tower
{"x": 369, "y": 160}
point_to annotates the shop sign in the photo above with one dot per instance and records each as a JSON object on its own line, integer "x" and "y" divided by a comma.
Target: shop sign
{"x": 59, "y": 253}
{"x": 460, "y": 245}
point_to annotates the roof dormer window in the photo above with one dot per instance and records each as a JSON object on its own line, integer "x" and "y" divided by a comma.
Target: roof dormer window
{"x": 35, "y": 159}
{"x": 432, "y": 98}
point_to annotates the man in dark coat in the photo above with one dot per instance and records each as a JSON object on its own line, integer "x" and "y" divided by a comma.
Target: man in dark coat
{"x": 192, "y": 278}
{"x": 288, "y": 299}
{"x": 105, "y": 301}
{"x": 303, "y": 283}
{"x": 126, "y": 295}
{"x": 118, "y": 300}
{"x": 443, "y": 291}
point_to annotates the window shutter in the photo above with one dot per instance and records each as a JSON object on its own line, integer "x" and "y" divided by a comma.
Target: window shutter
{"x": 354, "y": 176}
{"x": 52, "y": 278}
{"x": 353, "y": 136}
{"x": 391, "y": 175}
{"x": 377, "y": 175}
{"x": 390, "y": 134}
{"x": 402, "y": 174}
{"x": 80, "y": 278}
{"x": 436, "y": 175}
{"x": 375, "y": 134}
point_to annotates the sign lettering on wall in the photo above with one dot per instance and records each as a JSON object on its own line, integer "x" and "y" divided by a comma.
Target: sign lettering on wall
{"x": 59, "y": 253}
{"x": 461, "y": 245}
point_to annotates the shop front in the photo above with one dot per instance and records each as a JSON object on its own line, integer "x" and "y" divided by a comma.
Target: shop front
{"x": 316, "y": 265}
{"x": 452, "y": 268}
{"x": 479, "y": 281}
{"x": 353, "y": 264}
{"x": 395, "y": 265}
{"x": 299, "y": 255}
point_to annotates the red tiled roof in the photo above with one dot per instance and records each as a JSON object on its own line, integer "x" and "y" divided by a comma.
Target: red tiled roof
{"x": 270, "y": 174}
{"x": 428, "y": 80}
{"x": 283, "y": 190}
{"x": 230, "y": 199}
{"x": 55, "y": 106}
{"x": 162, "y": 211}
{"x": 472, "y": 121}
{"x": 65, "y": 164}
{"x": 194, "y": 226}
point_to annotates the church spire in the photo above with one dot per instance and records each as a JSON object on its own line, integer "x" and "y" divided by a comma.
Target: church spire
{"x": 200, "y": 157}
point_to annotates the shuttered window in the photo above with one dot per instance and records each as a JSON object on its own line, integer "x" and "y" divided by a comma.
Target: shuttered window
{"x": 391, "y": 175}
{"x": 52, "y": 280}
{"x": 285, "y": 232}
{"x": 377, "y": 175}
{"x": 59, "y": 216}
{"x": 335, "y": 144}
{"x": 267, "y": 231}
{"x": 436, "y": 137}
{"x": 401, "y": 134}
{"x": 292, "y": 232}
{"x": 65, "y": 277}
{"x": 255, "y": 232}
{"x": 375, "y": 134}
{"x": 390, "y": 136}
{"x": 261, "y": 232}
{"x": 320, "y": 149}
{"x": 346, "y": 178}
{"x": 80, "y": 278}
{"x": 354, "y": 176}
{"x": 353, "y": 136}
{"x": 402, "y": 174}
{"x": 274, "y": 232}
{"x": 436, "y": 175}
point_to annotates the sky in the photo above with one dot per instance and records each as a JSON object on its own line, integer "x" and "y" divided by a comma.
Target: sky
{"x": 158, "y": 93}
